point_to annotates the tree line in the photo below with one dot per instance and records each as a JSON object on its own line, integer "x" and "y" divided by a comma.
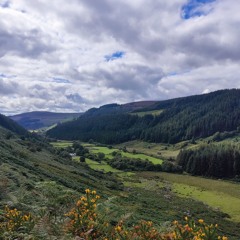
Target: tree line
{"x": 211, "y": 160}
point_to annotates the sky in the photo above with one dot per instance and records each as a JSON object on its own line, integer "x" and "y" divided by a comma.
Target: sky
{"x": 69, "y": 56}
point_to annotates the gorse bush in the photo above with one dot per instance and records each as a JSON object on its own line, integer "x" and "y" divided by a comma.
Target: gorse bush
{"x": 13, "y": 222}
{"x": 83, "y": 217}
{"x": 84, "y": 221}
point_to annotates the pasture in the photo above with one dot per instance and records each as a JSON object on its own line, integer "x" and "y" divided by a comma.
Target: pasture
{"x": 103, "y": 166}
{"x": 218, "y": 194}
{"x": 61, "y": 144}
{"x": 158, "y": 150}
{"x": 108, "y": 154}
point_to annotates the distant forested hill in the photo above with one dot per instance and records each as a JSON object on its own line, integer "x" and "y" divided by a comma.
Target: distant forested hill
{"x": 180, "y": 119}
{"x": 36, "y": 120}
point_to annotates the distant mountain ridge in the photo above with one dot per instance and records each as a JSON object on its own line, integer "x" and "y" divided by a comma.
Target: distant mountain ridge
{"x": 180, "y": 119}
{"x": 41, "y": 119}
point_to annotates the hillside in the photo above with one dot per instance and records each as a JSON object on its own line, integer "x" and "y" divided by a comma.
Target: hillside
{"x": 36, "y": 120}
{"x": 28, "y": 162}
{"x": 9, "y": 124}
{"x": 179, "y": 119}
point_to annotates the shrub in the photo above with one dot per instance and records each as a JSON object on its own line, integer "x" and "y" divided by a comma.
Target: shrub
{"x": 84, "y": 221}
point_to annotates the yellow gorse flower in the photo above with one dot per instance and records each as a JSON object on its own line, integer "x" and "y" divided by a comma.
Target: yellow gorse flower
{"x": 118, "y": 228}
{"x": 87, "y": 190}
{"x": 85, "y": 221}
{"x": 201, "y": 221}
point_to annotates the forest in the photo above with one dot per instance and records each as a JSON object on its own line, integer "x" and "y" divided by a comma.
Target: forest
{"x": 181, "y": 119}
{"x": 211, "y": 160}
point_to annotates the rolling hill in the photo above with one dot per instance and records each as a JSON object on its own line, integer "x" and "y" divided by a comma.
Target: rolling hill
{"x": 39, "y": 119}
{"x": 36, "y": 120}
{"x": 11, "y": 125}
{"x": 178, "y": 119}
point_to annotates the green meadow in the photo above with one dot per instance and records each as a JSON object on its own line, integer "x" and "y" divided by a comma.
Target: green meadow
{"x": 108, "y": 154}
{"x": 62, "y": 144}
{"x": 218, "y": 194}
{"x": 158, "y": 150}
{"x": 103, "y": 166}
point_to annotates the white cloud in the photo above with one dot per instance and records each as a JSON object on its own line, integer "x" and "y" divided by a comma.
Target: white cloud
{"x": 41, "y": 41}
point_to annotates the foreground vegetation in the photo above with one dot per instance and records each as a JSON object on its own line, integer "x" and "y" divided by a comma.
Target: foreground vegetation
{"x": 86, "y": 221}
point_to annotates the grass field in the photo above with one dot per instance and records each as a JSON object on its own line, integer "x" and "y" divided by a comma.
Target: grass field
{"x": 159, "y": 150}
{"x": 100, "y": 166}
{"x": 108, "y": 153}
{"x": 103, "y": 166}
{"x": 218, "y": 200}
{"x": 219, "y": 194}
{"x": 61, "y": 144}
{"x": 105, "y": 150}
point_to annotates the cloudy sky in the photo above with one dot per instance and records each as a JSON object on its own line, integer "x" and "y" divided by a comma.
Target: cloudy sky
{"x": 68, "y": 56}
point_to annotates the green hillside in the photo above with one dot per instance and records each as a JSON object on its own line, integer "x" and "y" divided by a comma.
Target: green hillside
{"x": 27, "y": 162}
{"x": 180, "y": 119}
{"x": 9, "y": 124}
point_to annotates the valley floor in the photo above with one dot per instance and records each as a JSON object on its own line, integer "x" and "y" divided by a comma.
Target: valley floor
{"x": 163, "y": 197}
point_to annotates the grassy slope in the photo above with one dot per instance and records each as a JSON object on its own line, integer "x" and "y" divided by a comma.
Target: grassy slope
{"x": 218, "y": 194}
{"x": 163, "y": 197}
{"x": 22, "y": 168}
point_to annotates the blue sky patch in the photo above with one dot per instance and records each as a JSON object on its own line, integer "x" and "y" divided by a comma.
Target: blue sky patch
{"x": 60, "y": 80}
{"x": 194, "y": 8}
{"x": 114, "y": 56}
